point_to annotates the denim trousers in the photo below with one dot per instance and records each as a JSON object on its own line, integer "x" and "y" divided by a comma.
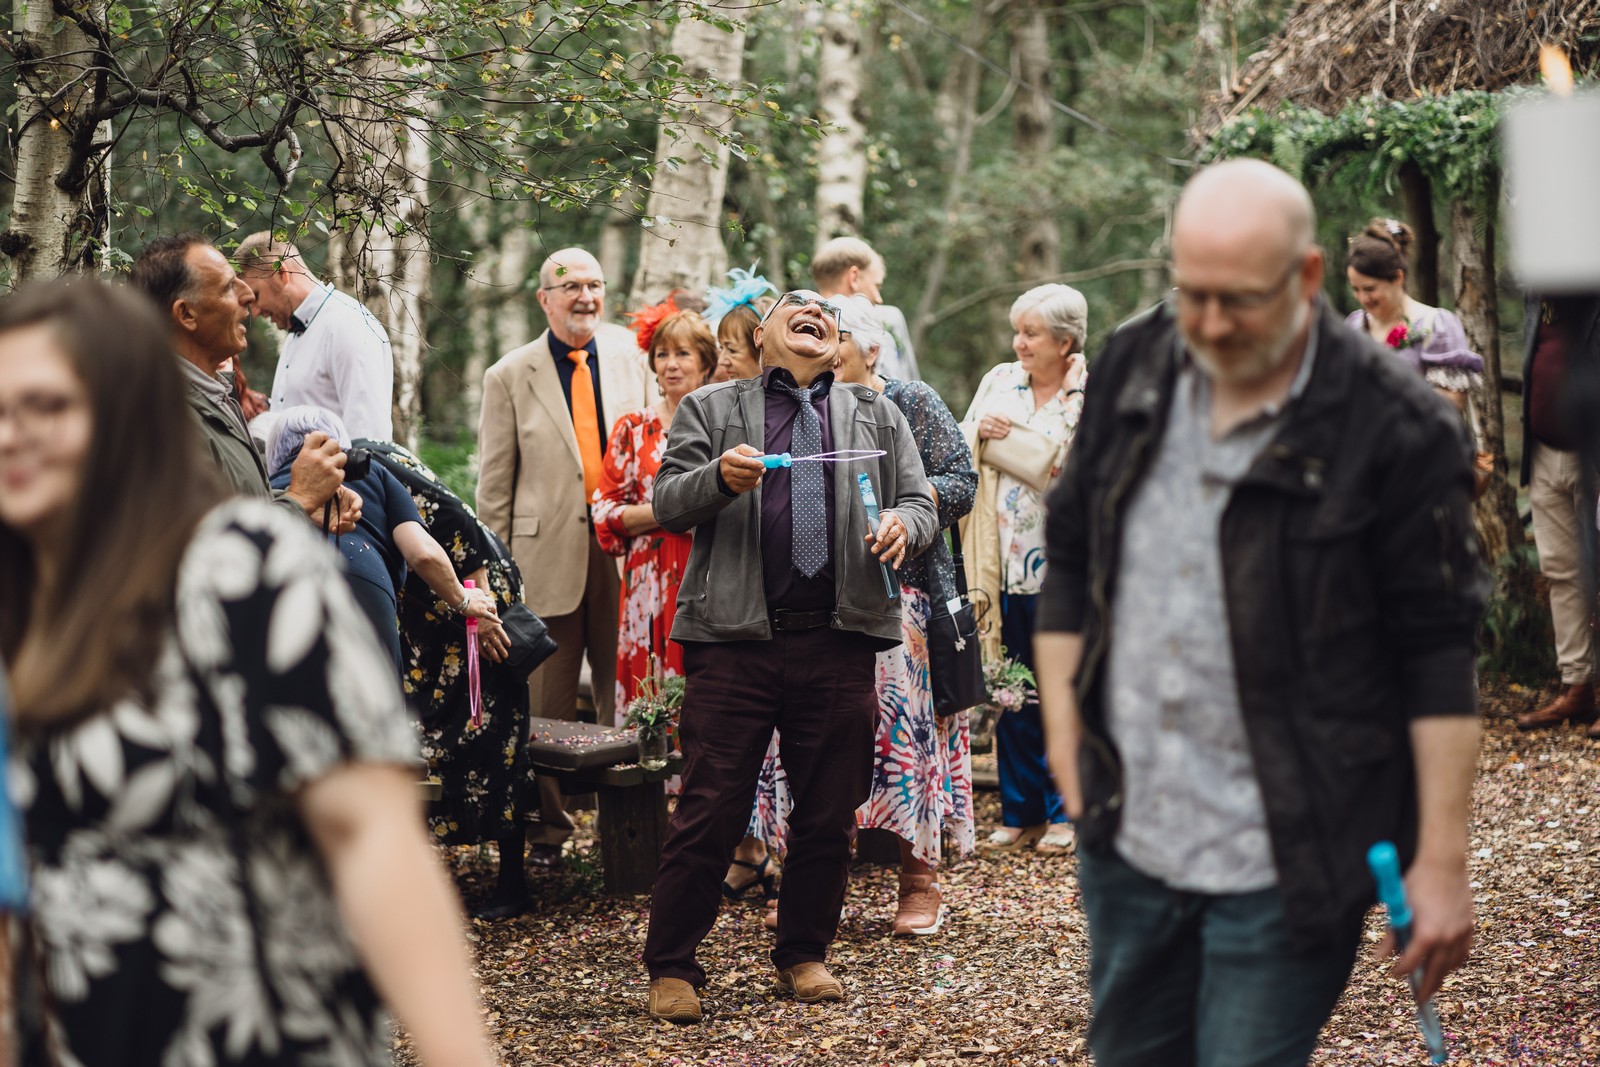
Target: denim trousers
{"x": 1185, "y": 979}
{"x": 1028, "y": 796}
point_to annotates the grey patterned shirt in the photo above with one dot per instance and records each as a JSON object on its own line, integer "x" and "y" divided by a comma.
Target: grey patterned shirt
{"x": 1193, "y": 816}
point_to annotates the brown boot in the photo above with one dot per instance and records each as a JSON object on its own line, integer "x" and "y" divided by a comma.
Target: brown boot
{"x": 673, "y": 1000}
{"x": 921, "y": 908}
{"x": 1575, "y": 704}
{"x": 810, "y": 983}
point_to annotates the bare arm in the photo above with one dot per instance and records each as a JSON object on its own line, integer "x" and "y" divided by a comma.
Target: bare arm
{"x": 400, "y": 908}
{"x": 424, "y": 555}
{"x": 1055, "y": 658}
{"x": 638, "y": 519}
{"x": 1445, "y": 750}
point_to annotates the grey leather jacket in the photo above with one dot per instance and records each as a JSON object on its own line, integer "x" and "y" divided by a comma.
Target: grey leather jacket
{"x": 722, "y": 598}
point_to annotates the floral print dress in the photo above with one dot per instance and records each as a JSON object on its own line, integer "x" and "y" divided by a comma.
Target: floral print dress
{"x": 482, "y": 770}
{"x": 1007, "y": 390}
{"x": 653, "y": 563}
{"x": 186, "y": 918}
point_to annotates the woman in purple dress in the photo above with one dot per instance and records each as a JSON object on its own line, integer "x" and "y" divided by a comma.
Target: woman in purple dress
{"x": 1430, "y": 339}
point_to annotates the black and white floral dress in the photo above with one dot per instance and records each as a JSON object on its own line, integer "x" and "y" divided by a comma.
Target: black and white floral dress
{"x": 186, "y": 918}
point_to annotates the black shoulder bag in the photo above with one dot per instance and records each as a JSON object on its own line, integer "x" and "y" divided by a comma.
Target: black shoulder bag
{"x": 955, "y": 661}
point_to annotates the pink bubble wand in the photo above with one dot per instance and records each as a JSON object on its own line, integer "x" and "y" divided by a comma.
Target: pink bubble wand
{"x": 474, "y": 680}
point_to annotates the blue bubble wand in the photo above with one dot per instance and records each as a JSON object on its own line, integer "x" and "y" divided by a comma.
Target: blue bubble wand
{"x": 869, "y": 500}
{"x": 1385, "y": 863}
{"x": 844, "y": 455}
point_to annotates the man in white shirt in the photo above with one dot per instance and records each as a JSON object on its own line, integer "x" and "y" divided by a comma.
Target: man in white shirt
{"x": 848, "y": 266}
{"x": 336, "y": 354}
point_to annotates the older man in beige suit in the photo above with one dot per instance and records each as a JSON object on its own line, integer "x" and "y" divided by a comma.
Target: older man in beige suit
{"x": 548, "y": 408}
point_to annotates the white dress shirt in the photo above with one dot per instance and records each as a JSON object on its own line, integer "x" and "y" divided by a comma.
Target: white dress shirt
{"x": 341, "y": 361}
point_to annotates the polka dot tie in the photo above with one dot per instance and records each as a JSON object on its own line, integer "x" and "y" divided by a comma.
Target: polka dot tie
{"x": 808, "y": 511}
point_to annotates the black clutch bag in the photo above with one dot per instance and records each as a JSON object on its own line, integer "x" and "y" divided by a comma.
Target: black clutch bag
{"x": 955, "y": 662}
{"x": 531, "y": 643}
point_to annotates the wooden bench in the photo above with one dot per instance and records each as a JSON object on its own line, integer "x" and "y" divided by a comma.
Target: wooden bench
{"x": 632, "y": 801}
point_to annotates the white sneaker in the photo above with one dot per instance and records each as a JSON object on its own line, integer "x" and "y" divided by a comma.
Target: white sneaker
{"x": 1059, "y": 838}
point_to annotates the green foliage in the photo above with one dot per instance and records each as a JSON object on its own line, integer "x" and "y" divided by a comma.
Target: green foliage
{"x": 454, "y": 462}
{"x": 254, "y": 114}
{"x": 1517, "y": 642}
{"x": 1453, "y": 139}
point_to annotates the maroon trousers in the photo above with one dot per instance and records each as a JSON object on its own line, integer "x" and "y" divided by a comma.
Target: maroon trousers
{"x": 817, "y": 688}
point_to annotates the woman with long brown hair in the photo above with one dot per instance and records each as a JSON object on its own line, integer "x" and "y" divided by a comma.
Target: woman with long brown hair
{"x": 212, "y": 756}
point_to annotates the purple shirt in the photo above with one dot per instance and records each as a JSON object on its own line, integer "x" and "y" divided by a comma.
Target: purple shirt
{"x": 786, "y": 587}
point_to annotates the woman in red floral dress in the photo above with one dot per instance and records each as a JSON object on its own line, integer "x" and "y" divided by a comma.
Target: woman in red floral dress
{"x": 682, "y": 354}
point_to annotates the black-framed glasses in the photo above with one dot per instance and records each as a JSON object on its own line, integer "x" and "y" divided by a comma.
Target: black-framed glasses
{"x": 570, "y": 290}
{"x": 1232, "y": 302}
{"x": 36, "y": 414}
{"x": 799, "y": 298}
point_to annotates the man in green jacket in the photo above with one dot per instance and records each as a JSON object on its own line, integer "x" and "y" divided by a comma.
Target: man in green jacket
{"x": 210, "y": 306}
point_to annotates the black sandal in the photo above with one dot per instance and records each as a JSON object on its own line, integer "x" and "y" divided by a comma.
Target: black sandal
{"x": 767, "y": 880}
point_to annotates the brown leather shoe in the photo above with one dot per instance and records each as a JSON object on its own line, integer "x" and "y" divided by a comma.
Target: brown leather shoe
{"x": 1575, "y": 704}
{"x": 810, "y": 983}
{"x": 1594, "y": 731}
{"x": 673, "y": 1000}
{"x": 921, "y": 908}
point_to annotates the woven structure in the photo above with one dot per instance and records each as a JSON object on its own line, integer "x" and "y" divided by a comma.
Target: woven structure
{"x": 1331, "y": 52}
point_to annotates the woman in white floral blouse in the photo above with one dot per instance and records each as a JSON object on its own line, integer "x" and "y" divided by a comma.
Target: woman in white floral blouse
{"x": 213, "y": 761}
{"x": 1042, "y": 393}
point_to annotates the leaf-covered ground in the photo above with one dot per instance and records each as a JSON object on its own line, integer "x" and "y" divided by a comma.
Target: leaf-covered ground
{"x": 1005, "y": 981}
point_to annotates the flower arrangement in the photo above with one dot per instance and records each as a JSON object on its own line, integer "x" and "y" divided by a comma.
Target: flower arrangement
{"x": 1010, "y": 683}
{"x": 653, "y": 712}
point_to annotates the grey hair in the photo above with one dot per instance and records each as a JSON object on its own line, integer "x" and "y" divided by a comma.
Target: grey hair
{"x": 292, "y": 427}
{"x": 859, "y": 321}
{"x": 1064, "y": 310}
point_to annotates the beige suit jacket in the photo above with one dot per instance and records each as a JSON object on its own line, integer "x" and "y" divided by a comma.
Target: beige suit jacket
{"x": 530, "y": 478}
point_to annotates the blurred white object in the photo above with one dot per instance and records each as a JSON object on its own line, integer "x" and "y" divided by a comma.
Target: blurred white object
{"x": 1552, "y": 153}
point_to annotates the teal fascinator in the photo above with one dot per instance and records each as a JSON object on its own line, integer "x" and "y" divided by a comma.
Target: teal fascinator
{"x": 745, "y": 288}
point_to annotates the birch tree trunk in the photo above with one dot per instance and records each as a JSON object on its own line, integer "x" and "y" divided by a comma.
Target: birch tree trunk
{"x": 1499, "y": 525}
{"x": 958, "y": 101}
{"x": 385, "y": 264}
{"x": 59, "y": 210}
{"x": 497, "y": 299}
{"x": 841, "y": 154}
{"x": 1033, "y": 124}
{"x": 681, "y": 245}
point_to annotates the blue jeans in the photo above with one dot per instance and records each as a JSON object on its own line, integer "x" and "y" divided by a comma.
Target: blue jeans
{"x": 1191, "y": 980}
{"x": 1028, "y": 797}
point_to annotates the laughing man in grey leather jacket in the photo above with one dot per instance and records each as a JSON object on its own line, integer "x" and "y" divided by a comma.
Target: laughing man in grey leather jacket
{"x": 721, "y": 595}
{"x": 803, "y": 662}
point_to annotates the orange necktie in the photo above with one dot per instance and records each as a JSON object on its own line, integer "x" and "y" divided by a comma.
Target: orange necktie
{"x": 585, "y": 420}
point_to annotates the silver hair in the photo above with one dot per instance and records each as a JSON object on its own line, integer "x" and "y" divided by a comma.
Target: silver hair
{"x": 1064, "y": 310}
{"x": 859, "y": 321}
{"x": 292, "y": 427}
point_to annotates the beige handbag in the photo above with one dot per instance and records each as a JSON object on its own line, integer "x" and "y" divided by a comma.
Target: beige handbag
{"x": 1026, "y": 454}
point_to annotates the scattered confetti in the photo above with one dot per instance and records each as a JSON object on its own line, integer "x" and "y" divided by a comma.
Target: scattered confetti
{"x": 1006, "y": 981}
